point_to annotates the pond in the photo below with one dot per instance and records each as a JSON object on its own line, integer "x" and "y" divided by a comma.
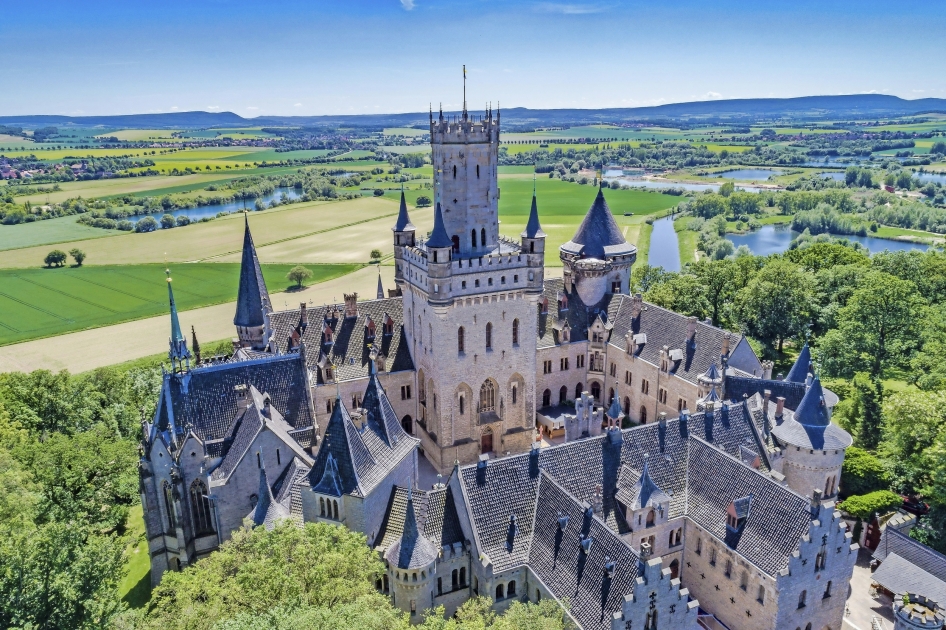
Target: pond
{"x": 664, "y": 246}
{"x": 837, "y": 176}
{"x": 775, "y": 239}
{"x": 663, "y": 184}
{"x": 196, "y": 213}
{"x": 747, "y": 173}
{"x": 939, "y": 178}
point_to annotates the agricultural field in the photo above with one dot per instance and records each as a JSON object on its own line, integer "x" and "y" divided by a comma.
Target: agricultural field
{"x": 139, "y": 135}
{"x": 405, "y": 131}
{"x": 47, "y": 232}
{"x": 247, "y": 133}
{"x": 37, "y": 303}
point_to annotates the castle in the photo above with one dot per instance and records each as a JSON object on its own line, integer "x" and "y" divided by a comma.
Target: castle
{"x": 682, "y": 480}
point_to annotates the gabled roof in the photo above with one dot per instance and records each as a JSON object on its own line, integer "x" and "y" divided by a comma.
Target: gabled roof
{"x": 252, "y": 297}
{"x": 598, "y": 236}
{"x": 436, "y": 515}
{"x": 646, "y": 493}
{"x": 412, "y": 549}
{"x": 439, "y": 237}
{"x": 381, "y": 416}
{"x": 910, "y": 566}
{"x": 533, "y": 228}
{"x": 802, "y": 366}
{"x": 403, "y": 223}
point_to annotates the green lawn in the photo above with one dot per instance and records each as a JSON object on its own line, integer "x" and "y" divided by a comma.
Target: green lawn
{"x": 47, "y": 232}
{"x": 39, "y": 302}
{"x": 687, "y": 240}
{"x": 135, "y": 587}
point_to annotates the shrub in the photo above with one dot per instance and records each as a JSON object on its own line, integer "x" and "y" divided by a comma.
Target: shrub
{"x": 55, "y": 258}
{"x": 146, "y": 224}
{"x": 423, "y": 201}
{"x": 862, "y": 473}
{"x": 78, "y": 255}
{"x": 864, "y": 506}
{"x": 182, "y": 220}
{"x": 167, "y": 221}
{"x": 378, "y": 192}
{"x": 125, "y": 226}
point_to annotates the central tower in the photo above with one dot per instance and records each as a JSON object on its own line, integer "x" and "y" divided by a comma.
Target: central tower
{"x": 470, "y": 300}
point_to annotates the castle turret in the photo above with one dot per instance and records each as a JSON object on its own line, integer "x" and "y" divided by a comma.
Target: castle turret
{"x": 254, "y": 309}
{"x": 802, "y": 367}
{"x": 915, "y": 612}
{"x": 533, "y": 241}
{"x": 412, "y": 563}
{"x": 178, "y": 354}
{"x": 598, "y": 259}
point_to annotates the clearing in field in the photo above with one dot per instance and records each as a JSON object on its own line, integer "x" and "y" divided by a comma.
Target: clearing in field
{"x": 38, "y": 303}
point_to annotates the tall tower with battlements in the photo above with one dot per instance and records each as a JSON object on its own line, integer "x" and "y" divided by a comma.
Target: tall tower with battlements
{"x": 470, "y": 302}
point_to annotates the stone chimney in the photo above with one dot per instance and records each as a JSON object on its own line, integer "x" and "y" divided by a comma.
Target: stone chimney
{"x": 691, "y": 330}
{"x": 645, "y": 552}
{"x": 637, "y": 305}
{"x": 727, "y": 339}
{"x": 779, "y": 406}
{"x": 767, "y": 370}
{"x": 351, "y": 305}
{"x": 816, "y": 496}
{"x": 662, "y": 420}
{"x": 766, "y": 395}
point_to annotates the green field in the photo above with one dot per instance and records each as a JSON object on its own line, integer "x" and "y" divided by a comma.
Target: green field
{"x": 42, "y": 302}
{"x": 47, "y": 232}
{"x": 135, "y": 587}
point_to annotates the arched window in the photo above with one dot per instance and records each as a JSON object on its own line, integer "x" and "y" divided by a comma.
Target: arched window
{"x": 461, "y": 404}
{"x": 511, "y": 589}
{"x": 761, "y": 597}
{"x": 487, "y": 396}
{"x": 627, "y": 406}
{"x": 499, "y": 592}
{"x": 651, "y": 516}
{"x": 454, "y": 579}
{"x": 596, "y": 391}
{"x": 483, "y": 237}
{"x": 460, "y": 333}
{"x": 335, "y": 508}
{"x": 489, "y": 335}
{"x": 672, "y": 535}
{"x": 456, "y": 243}
{"x": 169, "y": 505}
{"x": 808, "y": 626}
{"x": 578, "y": 391}
{"x": 473, "y": 237}
{"x": 802, "y": 598}
{"x": 477, "y": 171}
{"x": 515, "y": 394}
{"x": 321, "y": 506}
{"x": 515, "y": 332}
{"x": 562, "y": 395}
{"x": 643, "y": 414}
{"x": 674, "y": 569}
{"x": 440, "y": 586}
{"x": 462, "y": 576}
{"x": 200, "y": 504}
{"x": 546, "y": 398}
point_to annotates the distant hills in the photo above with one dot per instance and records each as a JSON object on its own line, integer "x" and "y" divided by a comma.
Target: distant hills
{"x": 812, "y": 108}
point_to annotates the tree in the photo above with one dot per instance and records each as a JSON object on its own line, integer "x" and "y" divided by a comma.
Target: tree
{"x": 862, "y": 472}
{"x": 378, "y": 192}
{"x": 682, "y": 293}
{"x": 716, "y": 277}
{"x": 78, "y": 255}
{"x": 777, "y": 304}
{"x": 146, "y": 224}
{"x": 939, "y": 147}
{"x": 376, "y": 254}
{"x": 865, "y": 506}
{"x": 298, "y": 274}
{"x": 423, "y": 201}
{"x": 877, "y": 329}
{"x": 708, "y": 206}
{"x": 727, "y": 189}
{"x": 913, "y": 422}
{"x": 55, "y": 258}
{"x": 167, "y": 221}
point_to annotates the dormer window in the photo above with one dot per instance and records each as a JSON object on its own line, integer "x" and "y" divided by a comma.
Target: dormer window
{"x": 369, "y": 329}
{"x": 737, "y": 513}
{"x": 545, "y": 306}
{"x": 327, "y": 333}
{"x": 387, "y": 325}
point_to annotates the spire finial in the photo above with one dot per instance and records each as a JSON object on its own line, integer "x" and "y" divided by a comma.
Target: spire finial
{"x": 464, "y": 92}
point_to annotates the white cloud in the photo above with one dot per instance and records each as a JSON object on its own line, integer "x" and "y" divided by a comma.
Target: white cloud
{"x": 407, "y": 4}
{"x": 213, "y": 107}
{"x": 570, "y": 9}
{"x": 298, "y": 105}
{"x": 711, "y": 96}
{"x": 252, "y": 107}
{"x": 918, "y": 91}
{"x": 174, "y": 108}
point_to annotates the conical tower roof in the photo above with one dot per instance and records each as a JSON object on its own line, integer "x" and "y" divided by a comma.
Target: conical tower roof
{"x": 439, "y": 237}
{"x": 403, "y": 223}
{"x": 533, "y": 228}
{"x": 646, "y": 491}
{"x": 380, "y": 286}
{"x": 252, "y": 297}
{"x": 178, "y": 344}
{"x": 267, "y": 510}
{"x": 799, "y": 371}
{"x": 412, "y": 550}
{"x": 812, "y": 410}
{"x": 598, "y": 236}
{"x": 614, "y": 411}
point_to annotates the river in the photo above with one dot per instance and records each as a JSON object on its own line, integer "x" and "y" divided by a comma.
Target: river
{"x": 196, "y": 213}
{"x": 664, "y": 246}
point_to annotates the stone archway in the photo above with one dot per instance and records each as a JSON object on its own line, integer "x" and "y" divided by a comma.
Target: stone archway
{"x": 486, "y": 441}
{"x": 408, "y": 424}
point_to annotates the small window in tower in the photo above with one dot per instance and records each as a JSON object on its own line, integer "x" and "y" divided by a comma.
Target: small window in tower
{"x": 477, "y": 171}
{"x": 454, "y": 171}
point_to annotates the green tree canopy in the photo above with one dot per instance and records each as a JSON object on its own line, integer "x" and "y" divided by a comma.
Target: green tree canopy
{"x": 866, "y": 505}
{"x": 55, "y": 258}
{"x": 777, "y": 304}
{"x": 298, "y": 274}
{"x": 77, "y": 255}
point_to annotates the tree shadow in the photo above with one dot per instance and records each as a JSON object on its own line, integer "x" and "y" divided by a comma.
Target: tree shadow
{"x": 140, "y": 593}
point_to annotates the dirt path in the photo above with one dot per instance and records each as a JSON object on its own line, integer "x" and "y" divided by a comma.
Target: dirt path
{"x": 89, "y": 349}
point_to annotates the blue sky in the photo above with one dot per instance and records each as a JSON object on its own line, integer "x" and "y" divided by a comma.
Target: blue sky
{"x": 360, "y": 56}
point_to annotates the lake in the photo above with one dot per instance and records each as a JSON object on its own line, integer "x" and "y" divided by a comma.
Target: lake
{"x": 662, "y": 184}
{"x": 835, "y": 175}
{"x": 664, "y": 246}
{"x": 775, "y": 239}
{"x": 747, "y": 173}
{"x": 196, "y": 213}
{"x": 939, "y": 178}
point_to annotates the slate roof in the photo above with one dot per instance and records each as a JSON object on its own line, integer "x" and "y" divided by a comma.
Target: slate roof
{"x": 810, "y": 425}
{"x": 206, "y": 399}
{"x": 290, "y": 485}
{"x": 646, "y": 492}
{"x": 363, "y": 458}
{"x": 598, "y": 236}
{"x": 403, "y": 223}
{"x": 252, "y": 289}
{"x": 909, "y": 566}
{"x": 350, "y": 352}
{"x": 739, "y": 386}
{"x": 662, "y": 327}
{"x": 802, "y": 366}
{"x": 533, "y": 228}
{"x": 436, "y": 515}
{"x": 267, "y": 510}
{"x": 439, "y": 236}
{"x": 411, "y": 549}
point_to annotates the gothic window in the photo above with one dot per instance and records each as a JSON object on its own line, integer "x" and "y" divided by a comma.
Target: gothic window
{"x": 483, "y": 237}
{"x": 596, "y": 391}
{"x": 670, "y": 542}
{"x": 460, "y": 332}
{"x": 461, "y": 404}
{"x": 169, "y": 505}
{"x": 761, "y": 597}
{"x": 499, "y": 592}
{"x": 515, "y": 394}
{"x": 462, "y": 576}
{"x": 200, "y": 504}
{"x": 473, "y": 237}
{"x": 487, "y": 397}
{"x": 802, "y": 598}
{"x": 562, "y": 395}
{"x": 489, "y": 336}
{"x": 321, "y": 506}
{"x": 651, "y": 516}
{"x": 335, "y": 509}
{"x": 546, "y": 398}
{"x": 578, "y": 391}
{"x": 515, "y": 332}
{"x": 643, "y": 414}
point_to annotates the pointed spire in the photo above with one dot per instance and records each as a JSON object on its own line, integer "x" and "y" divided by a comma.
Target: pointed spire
{"x": 802, "y": 366}
{"x": 533, "y": 228}
{"x": 178, "y": 346}
{"x": 813, "y": 410}
{"x": 412, "y": 549}
{"x": 598, "y": 236}
{"x": 403, "y": 223}
{"x": 439, "y": 238}
{"x": 615, "y": 411}
{"x": 267, "y": 510}
{"x": 380, "y": 286}
{"x": 253, "y": 302}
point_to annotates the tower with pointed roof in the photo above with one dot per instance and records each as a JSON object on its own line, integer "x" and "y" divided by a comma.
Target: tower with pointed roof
{"x": 254, "y": 310}
{"x": 597, "y": 260}
{"x": 469, "y": 302}
{"x": 178, "y": 354}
